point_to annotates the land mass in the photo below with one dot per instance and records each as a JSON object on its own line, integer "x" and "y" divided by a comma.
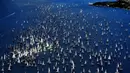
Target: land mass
{"x": 114, "y": 4}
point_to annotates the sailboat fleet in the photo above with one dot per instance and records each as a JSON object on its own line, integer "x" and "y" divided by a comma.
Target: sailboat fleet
{"x": 65, "y": 42}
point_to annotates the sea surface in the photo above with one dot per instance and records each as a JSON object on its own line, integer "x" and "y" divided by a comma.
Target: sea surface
{"x": 71, "y": 26}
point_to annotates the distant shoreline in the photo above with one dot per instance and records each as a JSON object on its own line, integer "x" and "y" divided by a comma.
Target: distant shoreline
{"x": 113, "y": 4}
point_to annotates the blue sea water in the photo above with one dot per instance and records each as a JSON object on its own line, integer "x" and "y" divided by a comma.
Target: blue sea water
{"x": 19, "y": 17}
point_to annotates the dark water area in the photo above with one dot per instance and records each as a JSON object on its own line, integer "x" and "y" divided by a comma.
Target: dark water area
{"x": 70, "y": 22}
